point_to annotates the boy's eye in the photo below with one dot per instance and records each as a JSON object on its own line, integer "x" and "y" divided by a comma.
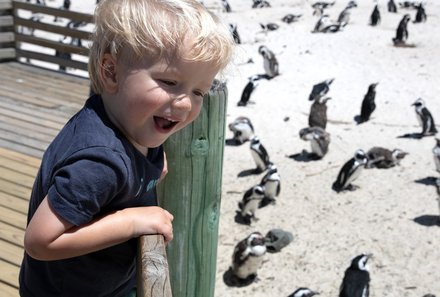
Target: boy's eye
{"x": 199, "y": 93}
{"x": 167, "y": 82}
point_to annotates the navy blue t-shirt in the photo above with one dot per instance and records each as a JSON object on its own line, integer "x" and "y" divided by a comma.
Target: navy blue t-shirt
{"x": 90, "y": 169}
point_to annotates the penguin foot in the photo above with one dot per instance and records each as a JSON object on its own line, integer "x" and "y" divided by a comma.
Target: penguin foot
{"x": 351, "y": 187}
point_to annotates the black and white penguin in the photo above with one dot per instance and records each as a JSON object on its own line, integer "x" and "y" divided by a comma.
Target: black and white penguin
{"x": 250, "y": 203}
{"x": 248, "y": 89}
{"x": 319, "y": 140}
{"x": 436, "y": 153}
{"x": 392, "y": 6}
{"x": 290, "y": 18}
{"x": 260, "y": 4}
{"x": 259, "y": 154}
{"x": 402, "y": 30}
{"x": 350, "y": 171}
{"x": 271, "y": 67}
{"x": 234, "y": 31}
{"x": 344, "y": 16}
{"x": 322, "y": 4}
{"x": 243, "y": 129}
{"x": 320, "y": 89}
{"x": 226, "y": 6}
{"x": 248, "y": 257}
{"x": 318, "y": 112}
{"x": 420, "y": 14}
{"x": 303, "y": 292}
{"x": 379, "y": 157}
{"x": 368, "y": 104}
{"x": 425, "y": 118}
{"x": 269, "y": 27}
{"x": 356, "y": 281}
{"x": 325, "y": 24}
{"x": 375, "y": 16}
{"x": 272, "y": 184}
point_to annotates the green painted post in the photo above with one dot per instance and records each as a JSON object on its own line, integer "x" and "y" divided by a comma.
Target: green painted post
{"x": 192, "y": 192}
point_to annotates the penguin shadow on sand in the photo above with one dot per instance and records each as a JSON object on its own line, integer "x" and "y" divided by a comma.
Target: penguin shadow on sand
{"x": 430, "y": 220}
{"x": 304, "y": 156}
{"x": 414, "y": 135}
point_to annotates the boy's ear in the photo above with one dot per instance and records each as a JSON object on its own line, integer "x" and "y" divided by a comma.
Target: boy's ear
{"x": 108, "y": 74}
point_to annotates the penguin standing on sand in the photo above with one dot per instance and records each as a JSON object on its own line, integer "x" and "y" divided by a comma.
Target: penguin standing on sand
{"x": 319, "y": 140}
{"x": 356, "y": 281}
{"x": 234, "y": 32}
{"x": 425, "y": 118}
{"x": 392, "y": 6}
{"x": 243, "y": 129}
{"x": 272, "y": 185}
{"x": 226, "y": 6}
{"x": 248, "y": 89}
{"x": 303, "y": 292}
{"x": 248, "y": 257}
{"x": 420, "y": 14}
{"x": 250, "y": 203}
{"x": 350, "y": 171}
{"x": 379, "y": 157}
{"x": 436, "y": 152}
{"x": 344, "y": 16}
{"x": 259, "y": 154}
{"x": 320, "y": 89}
{"x": 402, "y": 30}
{"x": 368, "y": 104}
{"x": 375, "y": 16}
{"x": 318, "y": 112}
{"x": 270, "y": 62}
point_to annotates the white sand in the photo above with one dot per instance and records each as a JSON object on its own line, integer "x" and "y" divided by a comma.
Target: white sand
{"x": 329, "y": 228}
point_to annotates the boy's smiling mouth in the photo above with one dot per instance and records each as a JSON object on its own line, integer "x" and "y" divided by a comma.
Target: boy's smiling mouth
{"x": 164, "y": 124}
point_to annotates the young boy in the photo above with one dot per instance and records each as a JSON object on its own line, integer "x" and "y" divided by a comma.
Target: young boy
{"x": 151, "y": 63}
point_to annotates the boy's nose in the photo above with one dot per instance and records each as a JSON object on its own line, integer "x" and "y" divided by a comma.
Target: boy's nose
{"x": 182, "y": 102}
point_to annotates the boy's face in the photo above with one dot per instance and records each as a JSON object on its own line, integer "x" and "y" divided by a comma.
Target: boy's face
{"x": 152, "y": 100}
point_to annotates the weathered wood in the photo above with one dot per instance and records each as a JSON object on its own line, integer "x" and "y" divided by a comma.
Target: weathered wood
{"x": 51, "y": 59}
{"x": 152, "y": 267}
{"x": 5, "y": 4}
{"x": 191, "y": 192}
{"x": 8, "y": 291}
{"x": 9, "y": 273}
{"x": 65, "y": 48}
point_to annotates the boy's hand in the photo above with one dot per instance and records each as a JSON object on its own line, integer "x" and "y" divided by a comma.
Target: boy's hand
{"x": 152, "y": 220}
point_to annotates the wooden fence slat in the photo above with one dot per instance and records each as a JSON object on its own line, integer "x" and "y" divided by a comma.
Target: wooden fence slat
{"x": 51, "y": 59}
{"x": 7, "y": 37}
{"x": 65, "y": 48}
{"x": 7, "y": 53}
{"x": 6, "y": 21}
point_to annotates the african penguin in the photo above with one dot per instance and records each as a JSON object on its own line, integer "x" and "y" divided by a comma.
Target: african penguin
{"x": 324, "y": 5}
{"x": 320, "y": 89}
{"x": 323, "y": 23}
{"x": 391, "y": 6}
{"x": 269, "y": 27}
{"x": 303, "y": 292}
{"x": 226, "y": 6}
{"x": 272, "y": 185}
{"x": 270, "y": 61}
{"x": 356, "y": 281}
{"x": 436, "y": 152}
{"x": 375, "y": 16}
{"x": 243, "y": 129}
{"x": 368, "y": 104}
{"x": 259, "y": 154}
{"x": 260, "y": 4}
{"x": 250, "y": 203}
{"x": 379, "y": 157}
{"x": 344, "y": 16}
{"x": 290, "y": 18}
{"x": 425, "y": 118}
{"x": 234, "y": 32}
{"x": 402, "y": 30}
{"x": 248, "y": 257}
{"x": 350, "y": 171}
{"x": 319, "y": 140}
{"x": 318, "y": 113}
{"x": 420, "y": 14}
{"x": 248, "y": 89}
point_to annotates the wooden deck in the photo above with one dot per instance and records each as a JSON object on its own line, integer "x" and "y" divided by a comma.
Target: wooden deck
{"x": 34, "y": 105}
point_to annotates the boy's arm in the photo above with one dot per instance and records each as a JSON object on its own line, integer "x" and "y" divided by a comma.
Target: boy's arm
{"x": 50, "y": 237}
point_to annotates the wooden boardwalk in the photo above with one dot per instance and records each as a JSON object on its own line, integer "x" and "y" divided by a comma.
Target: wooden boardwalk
{"x": 34, "y": 105}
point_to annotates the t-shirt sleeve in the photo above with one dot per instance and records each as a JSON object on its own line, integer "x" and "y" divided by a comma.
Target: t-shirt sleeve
{"x": 85, "y": 182}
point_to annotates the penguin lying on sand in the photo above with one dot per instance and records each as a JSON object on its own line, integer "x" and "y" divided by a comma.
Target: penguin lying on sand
{"x": 260, "y": 4}
{"x": 326, "y": 25}
{"x": 425, "y": 118}
{"x": 243, "y": 129}
{"x": 319, "y": 141}
{"x": 356, "y": 281}
{"x": 350, "y": 171}
{"x": 379, "y": 157}
{"x": 303, "y": 292}
{"x": 290, "y": 18}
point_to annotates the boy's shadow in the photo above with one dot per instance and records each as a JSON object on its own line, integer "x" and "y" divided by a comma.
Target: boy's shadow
{"x": 233, "y": 281}
{"x": 428, "y": 220}
{"x": 411, "y": 135}
{"x": 304, "y": 156}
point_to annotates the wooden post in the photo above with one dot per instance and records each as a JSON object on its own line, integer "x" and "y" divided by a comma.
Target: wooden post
{"x": 191, "y": 192}
{"x": 7, "y": 37}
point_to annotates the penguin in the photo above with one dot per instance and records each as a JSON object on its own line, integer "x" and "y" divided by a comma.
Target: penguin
{"x": 350, "y": 171}
{"x": 319, "y": 140}
{"x": 344, "y": 16}
{"x": 269, "y": 27}
{"x": 436, "y": 153}
{"x": 402, "y": 30}
{"x": 243, "y": 129}
{"x": 320, "y": 89}
{"x": 271, "y": 182}
{"x": 290, "y": 18}
{"x": 260, "y": 4}
{"x": 250, "y": 203}
{"x": 420, "y": 14}
{"x": 324, "y": 5}
{"x": 248, "y": 89}
{"x": 270, "y": 62}
{"x": 322, "y": 24}
{"x": 318, "y": 113}
{"x": 234, "y": 32}
{"x": 318, "y": 11}
{"x": 375, "y": 16}
{"x": 379, "y": 157}
{"x": 248, "y": 257}
{"x": 392, "y": 6}
{"x": 368, "y": 104}
{"x": 356, "y": 281}
{"x": 226, "y": 6}
{"x": 259, "y": 154}
{"x": 425, "y": 118}
{"x": 303, "y": 292}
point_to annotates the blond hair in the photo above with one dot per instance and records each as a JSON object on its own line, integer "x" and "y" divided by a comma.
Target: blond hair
{"x": 157, "y": 28}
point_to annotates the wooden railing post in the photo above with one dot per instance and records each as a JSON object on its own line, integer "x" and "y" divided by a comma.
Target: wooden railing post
{"x": 7, "y": 50}
{"x": 191, "y": 192}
